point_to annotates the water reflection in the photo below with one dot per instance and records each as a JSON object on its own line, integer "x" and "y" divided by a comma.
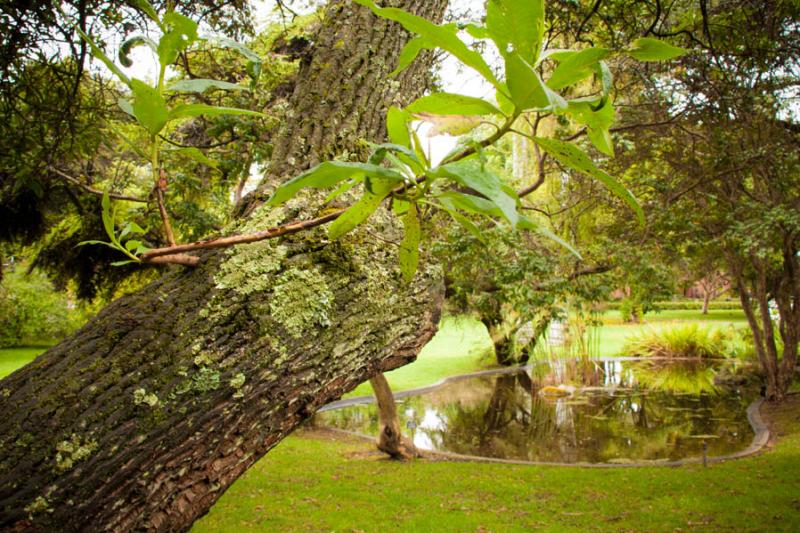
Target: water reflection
{"x": 574, "y": 411}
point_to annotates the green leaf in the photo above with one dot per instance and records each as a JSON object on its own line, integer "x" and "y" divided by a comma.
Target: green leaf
{"x": 99, "y": 54}
{"x": 597, "y": 121}
{"x": 409, "y": 53}
{"x": 408, "y": 155}
{"x": 649, "y": 49}
{"x": 527, "y": 89}
{"x": 503, "y": 101}
{"x": 104, "y": 243}
{"x": 196, "y": 155}
{"x": 181, "y": 34}
{"x": 133, "y": 244}
{"x": 341, "y": 189}
{"x": 443, "y": 37}
{"x": 606, "y": 78}
{"x": 452, "y": 104}
{"x": 519, "y": 23}
{"x": 196, "y": 110}
{"x": 528, "y": 224}
{"x": 147, "y": 9}
{"x": 467, "y": 224}
{"x": 397, "y": 127}
{"x": 201, "y": 85}
{"x": 125, "y": 262}
{"x": 248, "y": 54}
{"x": 126, "y": 106}
{"x": 478, "y": 32}
{"x": 130, "y": 44}
{"x": 573, "y": 157}
{"x": 362, "y": 209}
{"x": 330, "y": 173}
{"x": 556, "y": 54}
{"x": 409, "y": 247}
{"x": 470, "y": 203}
{"x": 471, "y": 175}
{"x": 131, "y": 228}
{"x": 149, "y": 107}
{"x": 576, "y": 67}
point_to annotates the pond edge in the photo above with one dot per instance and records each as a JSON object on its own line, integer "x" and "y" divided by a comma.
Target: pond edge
{"x": 761, "y": 432}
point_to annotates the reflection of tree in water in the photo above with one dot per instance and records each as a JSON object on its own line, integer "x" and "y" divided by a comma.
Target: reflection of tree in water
{"x": 506, "y": 416}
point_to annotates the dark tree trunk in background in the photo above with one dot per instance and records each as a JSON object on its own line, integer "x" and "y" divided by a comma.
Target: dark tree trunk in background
{"x": 144, "y": 417}
{"x": 778, "y": 359}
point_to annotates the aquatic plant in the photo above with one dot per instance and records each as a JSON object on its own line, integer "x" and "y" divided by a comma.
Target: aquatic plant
{"x": 682, "y": 341}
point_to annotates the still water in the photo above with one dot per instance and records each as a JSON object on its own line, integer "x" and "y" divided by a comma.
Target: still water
{"x": 594, "y": 411}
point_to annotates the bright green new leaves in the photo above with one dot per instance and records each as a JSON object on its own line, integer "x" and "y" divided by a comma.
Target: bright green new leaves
{"x": 452, "y": 104}
{"x": 519, "y": 23}
{"x": 409, "y": 247}
{"x": 181, "y": 33}
{"x": 470, "y": 174}
{"x": 576, "y": 67}
{"x": 201, "y": 85}
{"x": 362, "y": 209}
{"x": 443, "y": 37}
{"x": 132, "y": 247}
{"x": 409, "y": 53}
{"x": 571, "y": 156}
{"x": 647, "y": 49}
{"x": 597, "y": 121}
{"x": 329, "y": 174}
{"x": 527, "y": 89}
{"x": 149, "y": 107}
{"x": 397, "y": 126}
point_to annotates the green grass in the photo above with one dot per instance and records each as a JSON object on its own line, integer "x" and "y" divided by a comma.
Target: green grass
{"x": 313, "y": 482}
{"x": 614, "y": 335}
{"x": 461, "y": 345}
{"x": 13, "y": 358}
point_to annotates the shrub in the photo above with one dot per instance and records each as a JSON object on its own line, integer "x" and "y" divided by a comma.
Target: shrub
{"x": 689, "y": 341}
{"x": 32, "y": 312}
{"x": 679, "y": 305}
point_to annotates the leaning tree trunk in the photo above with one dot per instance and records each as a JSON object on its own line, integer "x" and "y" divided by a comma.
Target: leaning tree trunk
{"x": 145, "y": 416}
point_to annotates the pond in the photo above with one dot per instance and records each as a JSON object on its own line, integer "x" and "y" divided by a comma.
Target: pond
{"x": 591, "y": 411}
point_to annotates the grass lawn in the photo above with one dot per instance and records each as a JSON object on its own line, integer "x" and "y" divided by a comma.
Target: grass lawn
{"x": 13, "y": 358}
{"x": 614, "y": 334}
{"x": 316, "y": 482}
{"x": 461, "y": 345}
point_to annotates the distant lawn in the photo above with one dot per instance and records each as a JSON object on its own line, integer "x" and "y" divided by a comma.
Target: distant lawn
{"x": 461, "y": 345}
{"x": 614, "y": 334}
{"x": 317, "y": 482}
{"x": 13, "y": 358}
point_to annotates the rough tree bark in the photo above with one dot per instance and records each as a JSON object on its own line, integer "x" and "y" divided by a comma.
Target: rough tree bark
{"x": 144, "y": 417}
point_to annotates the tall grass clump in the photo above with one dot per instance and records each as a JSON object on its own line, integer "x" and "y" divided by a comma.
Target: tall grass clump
{"x": 689, "y": 341}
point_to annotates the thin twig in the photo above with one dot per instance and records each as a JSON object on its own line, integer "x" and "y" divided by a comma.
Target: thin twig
{"x": 159, "y": 188}
{"x": 94, "y": 191}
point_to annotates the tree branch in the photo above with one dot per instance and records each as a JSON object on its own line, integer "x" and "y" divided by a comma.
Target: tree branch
{"x": 92, "y": 190}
